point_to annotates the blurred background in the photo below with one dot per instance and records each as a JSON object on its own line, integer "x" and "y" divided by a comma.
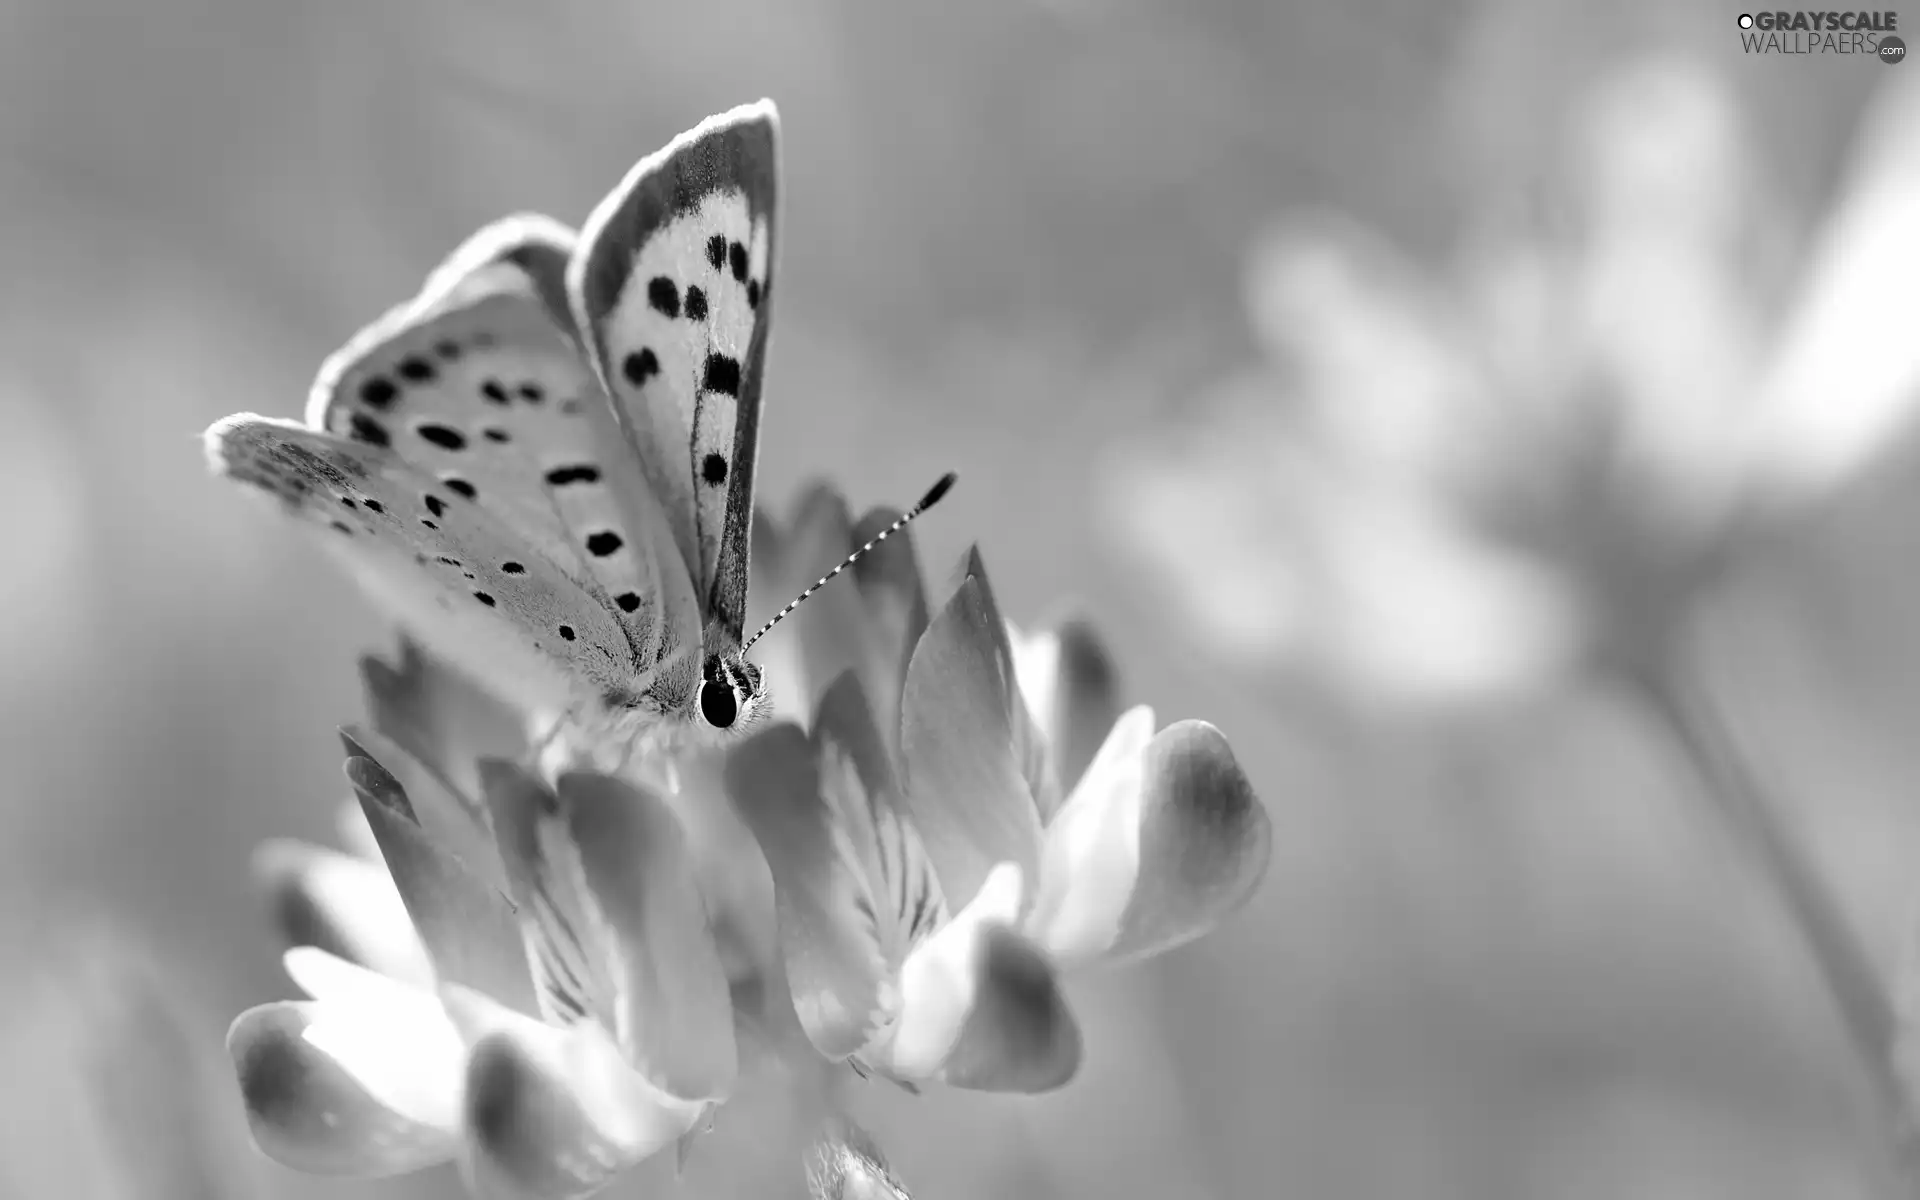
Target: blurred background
{"x": 1058, "y": 246}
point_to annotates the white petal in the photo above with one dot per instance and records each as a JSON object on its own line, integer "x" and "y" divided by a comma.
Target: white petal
{"x": 395, "y": 1040}
{"x": 938, "y": 978}
{"x": 1847, "y": 376}
{"x": 1092, "y": 853}
{"x": 1036, "y": 666}
{"x": 352, "y": 901}
{"x": 556, "y": 1112}
{"x": 311, "y": 1109}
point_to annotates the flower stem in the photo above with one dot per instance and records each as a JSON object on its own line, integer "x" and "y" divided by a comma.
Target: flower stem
{"x": 1742, "y": 802}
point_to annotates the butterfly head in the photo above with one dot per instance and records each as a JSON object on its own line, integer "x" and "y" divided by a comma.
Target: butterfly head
{"x": 733, "y": 692}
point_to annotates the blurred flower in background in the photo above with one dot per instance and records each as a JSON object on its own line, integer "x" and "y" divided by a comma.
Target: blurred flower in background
{"x": 935, "y": 866}
{"x": 1455, "y": 486}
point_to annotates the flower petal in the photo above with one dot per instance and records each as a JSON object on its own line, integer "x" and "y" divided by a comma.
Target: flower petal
{"x": 829, "y": 932}
{"x": 564, "y": 935}
{"x": 555, "y": 1112}
{"x": 1204, "y": 842}
{"x": 454, "y": 820}
{"x": 831, "y": 627}
{"x": 965, "y": 790}
{"x": 1069, "y": 683}
{"x": 889, "y": 580}
{"x": 1846, "y": 380}
{"x": 980, "y": 1005}
{"x": 332, "y": 1090}
{"x": 1030, "y": 749}
{"x": 466, "y": 926}
{"x": 863, "y": 794}
{"x": 1092, "y": 856}
{"x": 343, "y": 904}
{"x": 350, "y": 824}
{"x": 673, "y": 1016}
{"x": 1020, "y": 1036}
{"x": 445, "y": 721}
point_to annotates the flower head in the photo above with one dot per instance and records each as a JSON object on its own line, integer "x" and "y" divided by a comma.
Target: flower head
{"x": 557, "y": 1010}
{"x": 949, "y": 829}
{"x": 1453, "y": 486}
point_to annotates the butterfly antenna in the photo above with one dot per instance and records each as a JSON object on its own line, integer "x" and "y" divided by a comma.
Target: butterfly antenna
{"x": 927, "y": 501}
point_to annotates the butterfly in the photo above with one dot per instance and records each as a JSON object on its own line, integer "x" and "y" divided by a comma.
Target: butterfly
{"x": 542, "y": 466}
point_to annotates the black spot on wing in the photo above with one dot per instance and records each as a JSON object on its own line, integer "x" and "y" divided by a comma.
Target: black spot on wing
{"x": 696, "y": 309}
{"x": 753, "y": 293}
{"x": 603, "y": 543}
{"x": 496, "y": 435}
{"x": 737, "y": 259}
{"x": 627, "y": 601}
{"x": 722, "y": 374}
{"x": 435, "y": 504}
{"x": 714, "y": 469}
{"x": 566, "y": 633}
{"x": 378, "y": 392}
{"x": 532, "y": 393}
{"x": 365, "y": 429}
{"x": 485, "y": 599}
{"x": 428, "y": 524}
{"x": 581, "y": 473}
{"x": 462, "y": 487}
{"x": 663, "y": 296}
{"x": 341, "y": 526}
{"x": 451, "y": 562}
{"x": 494, "y": 393}
{"x": 444, "y": 436}
{"x": 640, "y": 366}
{"x": 513, "y": 568}
{"x": 374, "y": 506}
{"x": 416, "y": 370}
{"x": 717, "y": 250}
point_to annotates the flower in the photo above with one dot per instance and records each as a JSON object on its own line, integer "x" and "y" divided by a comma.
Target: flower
{"x": 943, "y": 840}
{"x": 551, "y": 1010}
{"x": 1459, "y": 487}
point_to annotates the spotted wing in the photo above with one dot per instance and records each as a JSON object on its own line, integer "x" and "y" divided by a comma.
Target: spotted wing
{"x": 479, "y": 385}
{"x": 671, "y": 287}
{"x": 469, "y": 587}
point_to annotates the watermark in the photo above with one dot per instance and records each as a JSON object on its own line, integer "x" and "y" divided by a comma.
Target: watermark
{"x": 1867, "y": 34}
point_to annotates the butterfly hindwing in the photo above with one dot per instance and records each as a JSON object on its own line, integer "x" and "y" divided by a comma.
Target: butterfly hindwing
{"x": 671, "y": 288}
{"x": 479, "y": 384}
{"x": 468, "y": 586}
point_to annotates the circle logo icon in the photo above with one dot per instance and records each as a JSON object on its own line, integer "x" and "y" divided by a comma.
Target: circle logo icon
{"x": 1746, "y": 20}
{"x": 1892, "y": 50}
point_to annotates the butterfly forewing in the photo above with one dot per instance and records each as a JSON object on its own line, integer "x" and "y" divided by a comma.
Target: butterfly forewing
{"x": 468, "y": 586}
{"x": 671, "y": 288}
{"x": 479, "y": 384}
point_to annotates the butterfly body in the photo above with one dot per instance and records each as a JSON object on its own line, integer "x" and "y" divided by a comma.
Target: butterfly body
{"x": 543, "y": 465}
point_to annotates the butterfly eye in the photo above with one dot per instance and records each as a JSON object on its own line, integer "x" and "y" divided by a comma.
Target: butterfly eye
{"x": 717, "y": 704}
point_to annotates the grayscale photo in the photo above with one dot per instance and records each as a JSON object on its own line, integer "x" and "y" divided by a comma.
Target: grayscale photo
{"x": 1034, "y": 600}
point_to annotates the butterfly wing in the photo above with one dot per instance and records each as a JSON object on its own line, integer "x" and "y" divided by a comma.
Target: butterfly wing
{"x": 671, "y": 288}
{"x": 478, "y": 384}
{"x": 468, "y": 586}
